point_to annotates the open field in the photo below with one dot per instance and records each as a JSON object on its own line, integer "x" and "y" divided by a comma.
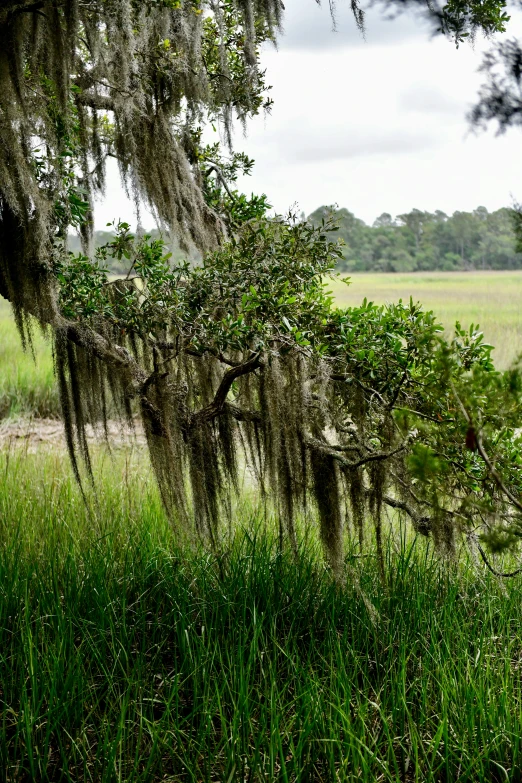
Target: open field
{"x": 127, "y": 657}
{"x": 491, "y": 299}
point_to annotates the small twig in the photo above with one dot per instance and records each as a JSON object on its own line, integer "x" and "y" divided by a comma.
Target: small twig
{"x": 373, "y": 392}
{"x": 423, "y": 415}
{"x": 214, "y": 167}
{"x": 502, "y": 574}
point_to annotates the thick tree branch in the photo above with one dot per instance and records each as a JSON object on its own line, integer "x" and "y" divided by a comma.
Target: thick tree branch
{"x": 240, "y": 414}
{"x": 14, "y": 7}
{"x": 110, "y": 353}
{"x": 218, "y": 403}
{"x": 95, "y": 101}
{"x": 376, "y": 456}
{"x": 422, "y": 524}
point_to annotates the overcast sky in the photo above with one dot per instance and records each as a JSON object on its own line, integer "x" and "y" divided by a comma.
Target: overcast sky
{"x": 375, "y": 125}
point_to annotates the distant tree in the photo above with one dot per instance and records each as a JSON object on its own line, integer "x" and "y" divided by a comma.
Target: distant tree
{"x": 418, "y": 241}
{"x": 384, "y": 221}
{"x": 415, "y": 221}
{"x": 465, "y": 233}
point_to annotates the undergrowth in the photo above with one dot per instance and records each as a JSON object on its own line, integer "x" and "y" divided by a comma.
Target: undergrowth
{"x": 126, "y": 657}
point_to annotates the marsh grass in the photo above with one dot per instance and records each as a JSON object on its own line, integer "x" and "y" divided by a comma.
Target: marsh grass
{"x": 127, "y": 657}
{"x": 27, "y": 384}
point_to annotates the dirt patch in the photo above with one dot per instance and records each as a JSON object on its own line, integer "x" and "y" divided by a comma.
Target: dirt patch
{"x": 34, "y": 434}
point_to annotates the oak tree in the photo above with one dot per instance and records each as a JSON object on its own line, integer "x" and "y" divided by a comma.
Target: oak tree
{"x": 242, "y": 358}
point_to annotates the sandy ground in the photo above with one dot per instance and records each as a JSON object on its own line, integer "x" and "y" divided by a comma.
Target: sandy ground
{"x": 34, "y": 434}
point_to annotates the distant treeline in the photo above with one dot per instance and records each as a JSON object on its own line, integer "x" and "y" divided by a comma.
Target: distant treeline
{"x": 122, "y": 267}
{"x": 415, "y": 241}
{"x": 418, "y": 241}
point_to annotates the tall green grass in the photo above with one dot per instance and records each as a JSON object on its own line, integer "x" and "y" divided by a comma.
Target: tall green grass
{"x": 27, "y": 384}
{"x": 125, "y": 656}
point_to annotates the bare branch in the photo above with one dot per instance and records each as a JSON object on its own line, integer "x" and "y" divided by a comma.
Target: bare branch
{"x": 501, "y": 574}
{"x": 422, "y": 524}
{"x": 423, "y": 415}
{"x": 221, "y": 176}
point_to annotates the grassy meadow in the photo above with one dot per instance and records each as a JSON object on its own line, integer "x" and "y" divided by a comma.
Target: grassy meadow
{"x": 126, "y": 656}
{"x": 27, "y": 385}
{"x": 130, "y": 654}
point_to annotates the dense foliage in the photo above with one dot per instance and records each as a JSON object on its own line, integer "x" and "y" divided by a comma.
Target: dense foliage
{"x": 244, "y": 359}
{"x": 425, "y": 241}
{"x": 81, "y": 81}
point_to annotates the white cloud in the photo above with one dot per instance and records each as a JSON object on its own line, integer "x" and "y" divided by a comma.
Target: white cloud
{"x": 430, "y": 99}
{"x": 335, "y": 144}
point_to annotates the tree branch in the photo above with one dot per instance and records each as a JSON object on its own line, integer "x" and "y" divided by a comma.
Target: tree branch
{"x": 501, "y": 574}
{"x": 221, "y": 176}
{"x": 340, "y": 377}
{"x": 376, "y": 456}
{"x": 422, "y": 524}
{"x": 481, "y": 450}
{"x": 17, "y": 7}
{"x": 240, "y": 414}
{"x": 218, "y": 403}
{"x": 95, "y": 101}
{"x": 397, "y": 390}
{"x": 423, "y": 415}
